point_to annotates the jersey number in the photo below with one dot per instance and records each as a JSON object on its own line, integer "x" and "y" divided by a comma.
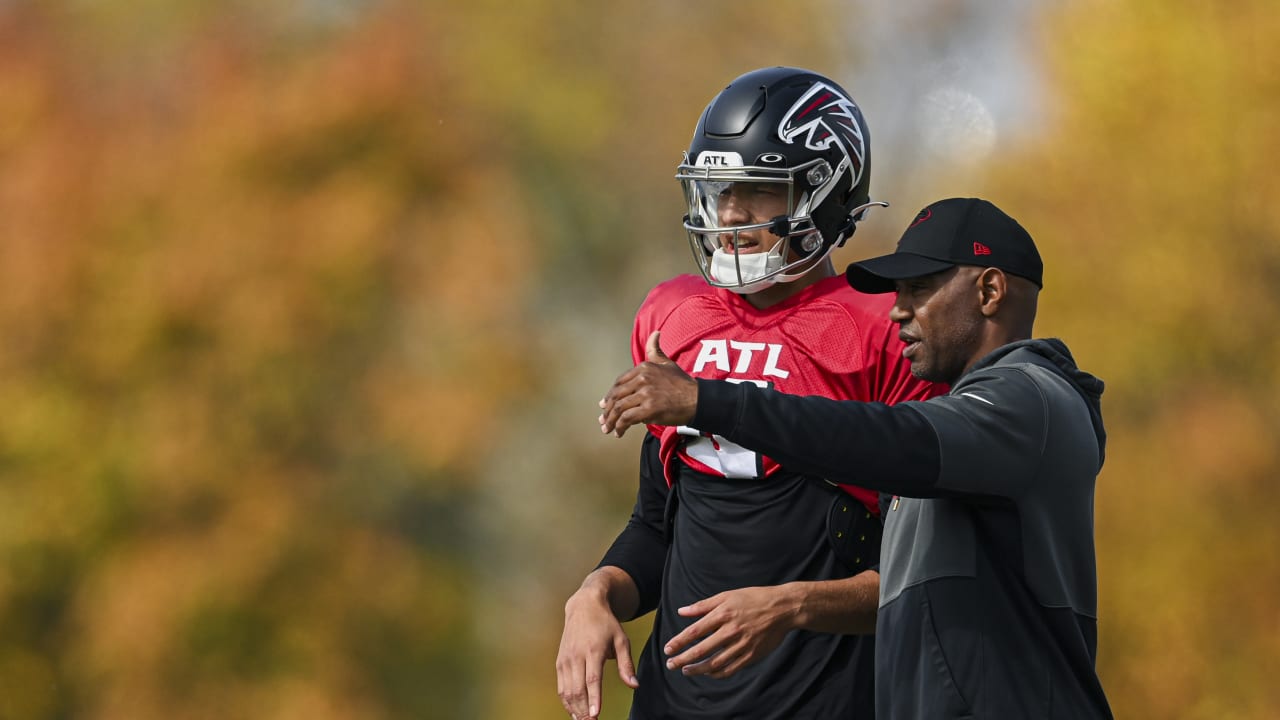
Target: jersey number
{"x": 727, "y": 458}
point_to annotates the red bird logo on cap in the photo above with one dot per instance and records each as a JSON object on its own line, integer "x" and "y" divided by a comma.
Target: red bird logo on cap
{"x": 925, "y": 214}
{"x": 980, "y": 249}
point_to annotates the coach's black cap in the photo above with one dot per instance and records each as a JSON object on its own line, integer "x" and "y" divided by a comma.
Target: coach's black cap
{"x": 955, "y": 231}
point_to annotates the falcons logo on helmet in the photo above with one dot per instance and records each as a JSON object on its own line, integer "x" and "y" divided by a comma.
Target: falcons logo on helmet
{"x": 824, "y": 116}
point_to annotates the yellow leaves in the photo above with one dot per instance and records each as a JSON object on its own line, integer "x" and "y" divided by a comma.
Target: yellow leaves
{"x": 28, "y": 683}
{"x": 1204, "y": 465}
{"x": 1154, "y": 194}
{"x": 1162, "y": 247}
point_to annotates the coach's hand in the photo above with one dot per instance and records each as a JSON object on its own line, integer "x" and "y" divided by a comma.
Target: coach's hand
{"x": 734, "y": 629}
{"x": 656, "y": 391}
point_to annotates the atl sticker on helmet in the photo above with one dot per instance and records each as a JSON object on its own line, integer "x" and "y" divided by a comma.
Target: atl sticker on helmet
{"x": 710, "y": 158}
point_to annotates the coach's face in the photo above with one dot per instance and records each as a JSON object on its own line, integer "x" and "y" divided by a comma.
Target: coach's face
{"x": 939, "y": 318}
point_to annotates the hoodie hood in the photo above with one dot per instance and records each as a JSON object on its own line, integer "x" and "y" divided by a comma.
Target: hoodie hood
{"x": 1056, "y": 352}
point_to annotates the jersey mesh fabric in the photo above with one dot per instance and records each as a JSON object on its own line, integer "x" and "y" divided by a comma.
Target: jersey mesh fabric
{"x": 826, "y": 340}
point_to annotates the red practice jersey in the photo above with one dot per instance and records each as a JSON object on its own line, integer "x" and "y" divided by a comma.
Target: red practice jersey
{"x": 827, "y": 340}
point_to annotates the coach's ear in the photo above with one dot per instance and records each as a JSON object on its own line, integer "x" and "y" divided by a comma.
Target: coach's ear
{"x": 993, "y": 286}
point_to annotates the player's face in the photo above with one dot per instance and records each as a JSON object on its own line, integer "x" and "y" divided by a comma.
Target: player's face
{"x": 748, "y": 203}
{"x": 939, "y": 319}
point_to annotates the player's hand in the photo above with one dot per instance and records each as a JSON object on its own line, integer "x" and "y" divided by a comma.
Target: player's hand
{"x": 591, "y": 635}
{"x": 734, "y": 629}
{"x": 656, "y": 391}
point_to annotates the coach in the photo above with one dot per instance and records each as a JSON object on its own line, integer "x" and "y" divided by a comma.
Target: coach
{"x": 988, "y": 595}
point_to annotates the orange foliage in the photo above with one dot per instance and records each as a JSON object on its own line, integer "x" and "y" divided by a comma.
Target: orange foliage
{"x": 250, "y": 360}
{"x": 303, "y": 312}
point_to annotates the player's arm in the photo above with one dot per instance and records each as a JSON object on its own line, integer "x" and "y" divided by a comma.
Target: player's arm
{"x": 739, "y": 627}
{"x": 846, "y": 606}
{"x": 625, "y": 584}
{"x": 733, "y": 629}
{"x": 640, "y": 550}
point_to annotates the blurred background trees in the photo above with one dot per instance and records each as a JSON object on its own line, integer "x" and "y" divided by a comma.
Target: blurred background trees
{"x": 305, "y": 307}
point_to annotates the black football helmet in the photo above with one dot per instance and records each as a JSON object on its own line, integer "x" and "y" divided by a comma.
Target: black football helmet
{"x": 796, "y": 130}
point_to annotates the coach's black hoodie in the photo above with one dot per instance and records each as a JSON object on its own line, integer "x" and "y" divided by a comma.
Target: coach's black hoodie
{"x": 988, "y": 589}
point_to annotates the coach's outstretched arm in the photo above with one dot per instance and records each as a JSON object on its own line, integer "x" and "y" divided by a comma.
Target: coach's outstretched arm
{"x": 891, "y": 449}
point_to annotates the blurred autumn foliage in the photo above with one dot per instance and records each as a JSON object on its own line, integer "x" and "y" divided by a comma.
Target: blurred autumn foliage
{"x": 1154, "y": 191}
{"x": 304, "y": 308}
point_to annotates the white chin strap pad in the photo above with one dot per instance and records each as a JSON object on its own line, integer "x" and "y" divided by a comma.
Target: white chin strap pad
{"x": 746, "y": 272}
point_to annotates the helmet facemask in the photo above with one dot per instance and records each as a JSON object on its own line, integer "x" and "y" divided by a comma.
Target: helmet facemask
{"x": 720, "y": 250}
{"x": 800, "y": 135}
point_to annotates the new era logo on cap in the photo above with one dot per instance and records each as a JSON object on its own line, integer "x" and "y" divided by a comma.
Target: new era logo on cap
{"x": 959, "y": 231}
